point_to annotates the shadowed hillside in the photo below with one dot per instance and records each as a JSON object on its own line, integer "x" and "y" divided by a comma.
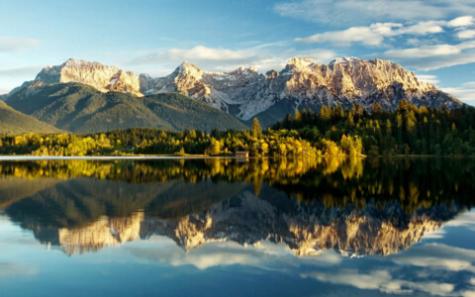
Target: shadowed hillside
{"x": 12, "y": 121}
{"x": 79, "y": 108}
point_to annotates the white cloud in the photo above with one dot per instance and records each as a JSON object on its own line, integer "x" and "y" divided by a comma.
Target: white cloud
{"x": 12, "y": 44}
{"x": 440, "y": 257}
{"x": 466, "y": 34}
{"x": 381, "y": 280}
{"x": 264, "y": 255}
{"x": 462, "y": 21}
{"x": 431, "y": 57}
{"x": 428, "y": 268}
{"x": 377, "y": 279}
{"x": 374, "y": 34}
{"x": 424, "y": 51}
{"x": 196, "y": 54}
{"x": 203, "y": 53}
{"x": 467, "y": 57}
{"x": 434, "y": 262}
{"x": 466, "y": 219}
{"x": 423, "y": 28}
{"x": 468, "y": 294}
{"x": 318, "y": 55}
{"x": 261, "y": 57}
{"x": 428, "y": 78}
{"x": 344, "y": 11}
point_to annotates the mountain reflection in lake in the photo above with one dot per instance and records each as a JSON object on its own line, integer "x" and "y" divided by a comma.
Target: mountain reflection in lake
{"x": 229, "y": 228}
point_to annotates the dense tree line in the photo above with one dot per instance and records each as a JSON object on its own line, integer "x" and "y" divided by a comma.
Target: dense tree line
{"x": 332, "y": 135}
{"x": 408, "y": 130}
{"x": 255, "y": 142}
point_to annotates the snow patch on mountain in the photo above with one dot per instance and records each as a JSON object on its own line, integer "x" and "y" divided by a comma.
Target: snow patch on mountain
{"x": 247, "y": 93}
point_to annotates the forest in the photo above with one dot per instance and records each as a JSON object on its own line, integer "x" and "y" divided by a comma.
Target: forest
{"x": 254, "y": 143}
{"x": 409, "y": 130}
{"x": 333, "y": 134}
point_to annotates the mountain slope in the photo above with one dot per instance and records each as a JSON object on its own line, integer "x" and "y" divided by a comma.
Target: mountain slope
{"x": 81, "y": 108}
{"x": 14, "y": 122}
{"x": 243, "y": 93}
{"x": 183, "y": 113}
{"x": 301, "y": 84}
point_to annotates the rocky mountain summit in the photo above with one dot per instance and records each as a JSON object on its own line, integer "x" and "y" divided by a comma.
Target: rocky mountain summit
{"x": 246, "y": 93}
{"x": 101, "y": 77}
{"x": 220, "y": 90}
{"x": 305, "y": 84}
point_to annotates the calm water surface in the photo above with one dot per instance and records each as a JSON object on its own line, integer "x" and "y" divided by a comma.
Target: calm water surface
{"x": 229, "y": 228}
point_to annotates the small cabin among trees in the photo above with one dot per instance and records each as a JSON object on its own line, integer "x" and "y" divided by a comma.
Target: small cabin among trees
{"x": 242, "y": 154}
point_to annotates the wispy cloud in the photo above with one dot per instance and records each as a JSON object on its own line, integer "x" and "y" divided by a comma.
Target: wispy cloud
{"x": 464, "y": 92}
{"x": 429, "y": 44}
{"x": 422, "y": 28}
{"x": 466, "y": 219}
{"x": 372, "y": 35}
{"x": 428, "y": 78}
{"x": 264, "y": 255}
{"x": 203, "y": 53}
{"x": 8, "y": 269}
{"x": 375, "y": 34}
{"x": 28, "y": 71}
{"x": 441, "y": 257}
{"x": 13, "y": 77}
{"x": 12, "y": 44}
{"x": 199, "y": 54}
{"x": 262, "y": 57}
{"x": 424, "y": 51}
{"x": 432, "y": 269}
{"x": 381, "y": 280}
{"x": 344, "y": 11}
{"x": 437, "y": 56}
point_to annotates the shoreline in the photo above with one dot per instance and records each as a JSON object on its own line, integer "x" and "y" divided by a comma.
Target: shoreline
{"x": 111, "y": 158}
{"x": 194, "y": 157}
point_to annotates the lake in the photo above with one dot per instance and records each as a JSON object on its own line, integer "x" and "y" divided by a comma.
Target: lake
{"x": 237, "y": 228}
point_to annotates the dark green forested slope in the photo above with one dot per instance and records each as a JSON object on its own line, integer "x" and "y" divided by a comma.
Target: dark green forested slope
{"x": 184, "y": 113}
{"x": 408, "y": 130}
{"x": 12, "y": 121}
{"x": 80, "y": 108}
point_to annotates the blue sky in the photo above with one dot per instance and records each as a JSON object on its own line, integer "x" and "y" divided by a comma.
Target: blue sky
{"x": 436, "y": 39}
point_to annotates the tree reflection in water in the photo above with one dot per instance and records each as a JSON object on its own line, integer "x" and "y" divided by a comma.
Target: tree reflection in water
{"x": 357, "y": 208}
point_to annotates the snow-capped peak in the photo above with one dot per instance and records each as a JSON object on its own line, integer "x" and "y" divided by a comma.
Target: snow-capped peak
{"x": 345, "y": 60}
{"x": 303, "y": 83}
{"x": 300, "y": 62}
{"x": 189, "y": 69}
{"x": 244, "y": 70}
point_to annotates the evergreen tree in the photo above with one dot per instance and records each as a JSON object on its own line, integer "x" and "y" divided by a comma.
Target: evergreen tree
{"x": 256, "y": 128}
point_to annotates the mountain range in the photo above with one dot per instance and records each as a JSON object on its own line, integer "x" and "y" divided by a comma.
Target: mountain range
{"x": 201, "y": 213}
{"x": 82, "y": 96}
